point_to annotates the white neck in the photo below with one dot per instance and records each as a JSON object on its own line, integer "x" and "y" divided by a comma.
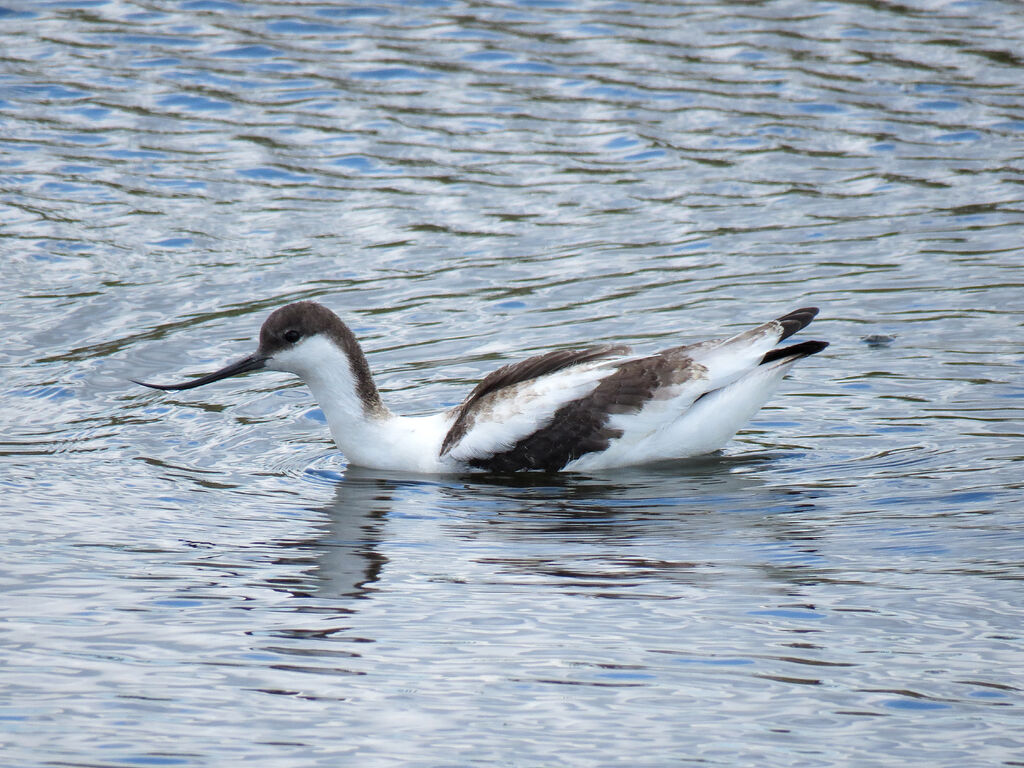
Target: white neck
{"x": 368, "y": 434}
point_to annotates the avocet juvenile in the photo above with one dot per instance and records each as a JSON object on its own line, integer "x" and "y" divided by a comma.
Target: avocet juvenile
{"x": 588, "y": 408}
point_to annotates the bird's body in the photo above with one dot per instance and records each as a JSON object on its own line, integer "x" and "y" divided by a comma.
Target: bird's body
{"x": 591, "y": 408}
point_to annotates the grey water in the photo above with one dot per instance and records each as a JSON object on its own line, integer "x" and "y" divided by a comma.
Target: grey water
{"x": 199, "y": 579}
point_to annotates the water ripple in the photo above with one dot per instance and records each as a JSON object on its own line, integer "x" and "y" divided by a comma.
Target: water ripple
{"x": 467, "y": 184}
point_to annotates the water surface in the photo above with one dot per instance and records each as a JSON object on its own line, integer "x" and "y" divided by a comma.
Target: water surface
{"x": 199, "y": 578}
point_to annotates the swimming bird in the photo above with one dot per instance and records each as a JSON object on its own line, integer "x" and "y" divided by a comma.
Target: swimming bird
{"x": 593, "y": 407}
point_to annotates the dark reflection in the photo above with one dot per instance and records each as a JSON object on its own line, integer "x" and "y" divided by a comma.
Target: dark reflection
{"x": 614, "y": 502}
{"x": 723, "y": 524}
{"x": 563, "y": 526}
{"x": 336, "y": 569}
{"x": 347, "y": 555}
{"x": 689, "y": 522}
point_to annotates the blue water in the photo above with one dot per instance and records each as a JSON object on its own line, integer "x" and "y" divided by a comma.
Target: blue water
{"x": 199, "y": 579}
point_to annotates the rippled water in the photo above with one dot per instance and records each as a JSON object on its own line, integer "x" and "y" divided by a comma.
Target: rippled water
{"x": 198, "y": 578}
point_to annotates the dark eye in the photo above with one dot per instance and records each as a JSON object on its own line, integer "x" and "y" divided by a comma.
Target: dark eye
{"x": 292, "y": 336}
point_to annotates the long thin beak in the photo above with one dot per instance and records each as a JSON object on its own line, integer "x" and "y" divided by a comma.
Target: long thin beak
{"x": 246, "y": 364}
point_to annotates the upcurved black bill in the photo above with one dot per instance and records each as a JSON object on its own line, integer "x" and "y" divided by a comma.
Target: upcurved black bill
{"x": 246, "y": 364}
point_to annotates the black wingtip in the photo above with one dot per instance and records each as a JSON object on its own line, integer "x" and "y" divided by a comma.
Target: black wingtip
{"x": 803, "y": 349}
{"x": 162, "y": 387}
{"x": 796, "y": 320}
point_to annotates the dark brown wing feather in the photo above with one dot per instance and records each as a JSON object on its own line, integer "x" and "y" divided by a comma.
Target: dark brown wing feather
{"x": 796, "y": 320}
{"x": 803, "y": 349}
{"x": 516, "y": 373}
{"x": 581, "y": 426}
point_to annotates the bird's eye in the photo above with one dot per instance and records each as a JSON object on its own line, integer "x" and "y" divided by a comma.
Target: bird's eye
{"x": 292, "y": 336}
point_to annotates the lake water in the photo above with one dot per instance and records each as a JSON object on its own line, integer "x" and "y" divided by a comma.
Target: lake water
{"x": 198, "y": 579}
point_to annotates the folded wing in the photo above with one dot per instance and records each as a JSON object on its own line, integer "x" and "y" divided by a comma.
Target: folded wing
{"x": 550, "y": 410}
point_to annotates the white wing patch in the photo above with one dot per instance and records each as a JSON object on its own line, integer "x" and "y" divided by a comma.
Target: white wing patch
{"x": 726, "y": 360}
{"x": 504, "y": 417}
